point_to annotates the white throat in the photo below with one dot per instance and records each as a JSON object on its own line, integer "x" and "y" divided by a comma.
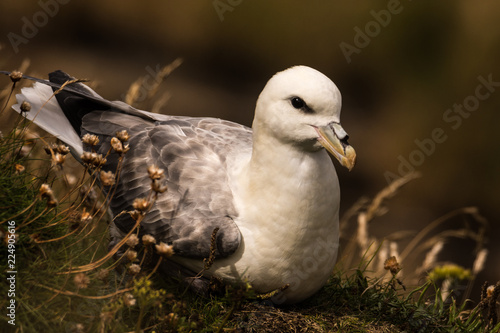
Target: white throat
{"x": 289, "y": 190}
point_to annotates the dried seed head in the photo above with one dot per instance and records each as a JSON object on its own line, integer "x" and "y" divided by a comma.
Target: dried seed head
{"x": 46, "y": 191}
{"x": 81, "y": 280}
{"x": 155, "y": 172}
{"x": 131, "y": 255}
{"x": 98, "y": 160}
{"x": 164, "y": 250}
{"x": 62, "y": 149}
{"x": 128, "y": 299}
{"x": 123, "y": 135}
{"x": 6, "y": 240}
{"x": 25, "y": 106}
{"x": 172, "y": 319}
{"x": 90, "y": 139}
{"x": 489, "y": 291}
{"x": 107, "y": 178}
{"x": 102, "y": 274}
{"x": 93, "y": 159}
{"x": 58, "y": 159}
{"x": 132, "y": 240}
{"x": 86, "y": 217}
{"x": 148, "y": 240}
{"x": 134, "y": 269}
{"x": 19, "y": 168}
{"x": 141, "y": 204}
{"x": 392, "y": 265}
{"x": 157, "y": 187}
{"x": 118, "y": 146}
{"x": 16, "y": 76}
{"x": 86, "y": 157}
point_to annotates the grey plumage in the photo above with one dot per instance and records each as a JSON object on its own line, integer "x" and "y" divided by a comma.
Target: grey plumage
{"x": 188, "y": 212}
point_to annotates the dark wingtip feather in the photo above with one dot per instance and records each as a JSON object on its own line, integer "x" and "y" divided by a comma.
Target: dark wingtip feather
{"x": 58, "y": 76}
{"x": 75, "y": 107}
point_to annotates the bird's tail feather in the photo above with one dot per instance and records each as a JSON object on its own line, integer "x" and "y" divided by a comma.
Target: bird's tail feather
{"x": 47, "y": 114}
{"x": 62, "y": 115}
{"x": 46, "y": 111}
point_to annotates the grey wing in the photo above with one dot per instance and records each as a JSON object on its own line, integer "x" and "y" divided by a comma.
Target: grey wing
{"x": 192, "y": 152}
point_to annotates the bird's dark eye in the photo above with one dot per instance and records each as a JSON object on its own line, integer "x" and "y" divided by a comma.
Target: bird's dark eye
{"x": 298, "y": 103}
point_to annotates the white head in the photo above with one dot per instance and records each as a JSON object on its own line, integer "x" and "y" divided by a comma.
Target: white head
{"x": 301, "y": 107}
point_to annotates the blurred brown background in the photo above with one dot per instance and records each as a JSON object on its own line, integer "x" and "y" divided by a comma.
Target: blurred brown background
{"x": 399, "y": 64}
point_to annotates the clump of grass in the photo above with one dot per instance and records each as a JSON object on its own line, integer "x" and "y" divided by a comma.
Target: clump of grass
{"x": 360, "y": 303}
{"x": 420, "y": 249}
{"x": 69, "y": 281}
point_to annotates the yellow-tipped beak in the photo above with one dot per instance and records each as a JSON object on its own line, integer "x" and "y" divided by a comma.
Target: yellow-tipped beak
{"x": 334, "y": 139}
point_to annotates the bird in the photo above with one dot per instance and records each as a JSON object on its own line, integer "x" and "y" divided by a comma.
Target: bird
{"x": 270, "y": 192}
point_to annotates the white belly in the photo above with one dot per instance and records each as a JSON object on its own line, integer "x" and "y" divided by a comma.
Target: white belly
{"x": 290, "y": 234}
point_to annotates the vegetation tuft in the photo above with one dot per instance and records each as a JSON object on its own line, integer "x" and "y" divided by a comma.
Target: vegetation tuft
{"x": 54, "y": 238}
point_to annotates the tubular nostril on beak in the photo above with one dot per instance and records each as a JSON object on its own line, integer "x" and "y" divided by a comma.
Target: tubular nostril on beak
{"x": 344, "y": 141}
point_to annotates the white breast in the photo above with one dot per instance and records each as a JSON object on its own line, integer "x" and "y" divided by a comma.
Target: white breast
{"x": 289, "y": 223}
